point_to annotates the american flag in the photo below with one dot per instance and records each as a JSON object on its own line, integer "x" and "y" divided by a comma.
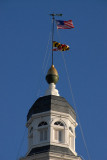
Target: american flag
{"x": 64, "y": 24}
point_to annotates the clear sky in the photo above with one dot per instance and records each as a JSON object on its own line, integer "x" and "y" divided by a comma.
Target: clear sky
{"x": 25, "y": 27}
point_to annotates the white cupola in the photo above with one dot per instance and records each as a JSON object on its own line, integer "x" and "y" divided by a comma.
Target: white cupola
{"x": 51, "y": 123}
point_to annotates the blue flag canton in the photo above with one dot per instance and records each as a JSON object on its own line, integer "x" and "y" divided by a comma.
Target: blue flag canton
{"x": 60, "y": 22}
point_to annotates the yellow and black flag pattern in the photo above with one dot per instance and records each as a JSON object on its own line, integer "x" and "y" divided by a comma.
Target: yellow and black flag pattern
{"x": 61, "y": 47}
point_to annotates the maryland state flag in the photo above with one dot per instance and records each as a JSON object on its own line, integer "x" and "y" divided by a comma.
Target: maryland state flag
{"x": 60, "y": 47}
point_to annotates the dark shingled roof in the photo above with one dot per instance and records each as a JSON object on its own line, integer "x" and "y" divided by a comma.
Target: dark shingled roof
{"x": 51, "y": 103}
{"x": 50, "y": 148}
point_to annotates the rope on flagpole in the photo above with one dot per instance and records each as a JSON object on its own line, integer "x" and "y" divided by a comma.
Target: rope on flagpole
{"x": 46, "y": 51}
{"x": 21, "y": 143}
{"x": 41, "y": 80}
{"x": 74, "y": 102}
{"x": 76, "y": 109}
{"x": 82, "y": 157}
{"x": 44, "y": 66}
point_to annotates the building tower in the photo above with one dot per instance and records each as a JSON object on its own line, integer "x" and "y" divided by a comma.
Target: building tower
{"x": 51, "y": 123}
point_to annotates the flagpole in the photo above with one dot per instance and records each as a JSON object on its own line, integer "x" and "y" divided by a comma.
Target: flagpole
{"x": 52, "y": 35}
{"x": 53, "y": 18}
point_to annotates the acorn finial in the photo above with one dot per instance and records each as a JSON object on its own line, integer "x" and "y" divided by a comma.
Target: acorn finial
{"x": 52, "y": 75}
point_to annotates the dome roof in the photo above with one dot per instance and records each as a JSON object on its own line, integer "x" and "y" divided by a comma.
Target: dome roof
{"x": 51, "y": 103}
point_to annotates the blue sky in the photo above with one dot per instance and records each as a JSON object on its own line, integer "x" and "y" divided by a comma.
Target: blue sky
{"x": 25, "y": 27}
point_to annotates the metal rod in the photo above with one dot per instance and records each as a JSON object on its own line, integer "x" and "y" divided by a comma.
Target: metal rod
{"x": 52, "y": 36}
{"x": 53, "y": 18}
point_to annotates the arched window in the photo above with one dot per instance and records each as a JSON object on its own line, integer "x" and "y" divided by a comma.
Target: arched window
{"x": 42, "y": 124}
{"x": 59, "y": 132}
{"x": 59, "y": 123}
{"x": 43, "y": 130}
